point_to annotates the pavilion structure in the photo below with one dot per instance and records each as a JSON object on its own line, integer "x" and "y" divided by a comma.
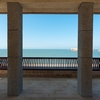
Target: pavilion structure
{"x": 85, "y": 10}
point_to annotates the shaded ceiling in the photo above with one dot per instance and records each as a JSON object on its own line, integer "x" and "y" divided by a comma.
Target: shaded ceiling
{"x": 49, "y": 6}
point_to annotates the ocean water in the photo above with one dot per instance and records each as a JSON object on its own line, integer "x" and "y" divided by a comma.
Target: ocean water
{"x": 48, "y": 53}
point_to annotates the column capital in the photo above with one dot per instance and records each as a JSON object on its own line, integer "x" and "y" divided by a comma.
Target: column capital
{"x": 85, "y": 13}
{"x": 86, "y": 4}
{"x": 14, "y": 10}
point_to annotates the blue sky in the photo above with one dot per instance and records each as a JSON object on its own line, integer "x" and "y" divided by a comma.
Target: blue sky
{"x": 50, "y": 31}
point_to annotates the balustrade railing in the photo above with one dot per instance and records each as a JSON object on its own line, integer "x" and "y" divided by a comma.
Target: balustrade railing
{"x": 3, "y": 62}
{"x": 50, "y": 63}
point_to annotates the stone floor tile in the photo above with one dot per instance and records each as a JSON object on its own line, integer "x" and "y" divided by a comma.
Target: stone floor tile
{"x": 49, "y": 89}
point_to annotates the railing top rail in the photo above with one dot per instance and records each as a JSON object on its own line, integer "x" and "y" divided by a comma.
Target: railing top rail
{"x": 3, "y": 57}
{"x": 48, "y": 58}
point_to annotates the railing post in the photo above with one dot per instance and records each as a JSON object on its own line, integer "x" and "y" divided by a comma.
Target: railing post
{"x": 99, "y": 62}
{"x": 0, "y": 63}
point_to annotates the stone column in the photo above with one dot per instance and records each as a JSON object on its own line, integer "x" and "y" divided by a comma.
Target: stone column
{"x": 15, "y": 83}
{"x": 85, "y": 30}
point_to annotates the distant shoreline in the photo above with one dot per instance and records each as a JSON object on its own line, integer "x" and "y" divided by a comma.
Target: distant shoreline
{"x": 48, "y": 53}
{"x": 45, "y": 49}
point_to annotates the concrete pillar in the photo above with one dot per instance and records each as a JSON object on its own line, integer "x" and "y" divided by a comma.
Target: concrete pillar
{"x": 15, "y": 83}
{"x": 85, "y": 30}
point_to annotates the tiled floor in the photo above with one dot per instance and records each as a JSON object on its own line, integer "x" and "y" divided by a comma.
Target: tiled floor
{"x": 49, "y": 89}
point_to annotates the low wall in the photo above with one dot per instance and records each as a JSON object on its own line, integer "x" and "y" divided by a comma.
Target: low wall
{"x": 50, "y": 73}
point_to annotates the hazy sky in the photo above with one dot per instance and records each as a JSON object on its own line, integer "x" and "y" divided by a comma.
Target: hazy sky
{"x": 50, "y": 31}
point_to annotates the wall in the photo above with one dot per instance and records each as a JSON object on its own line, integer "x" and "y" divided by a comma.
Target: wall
{"x": 50, "y": 73}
